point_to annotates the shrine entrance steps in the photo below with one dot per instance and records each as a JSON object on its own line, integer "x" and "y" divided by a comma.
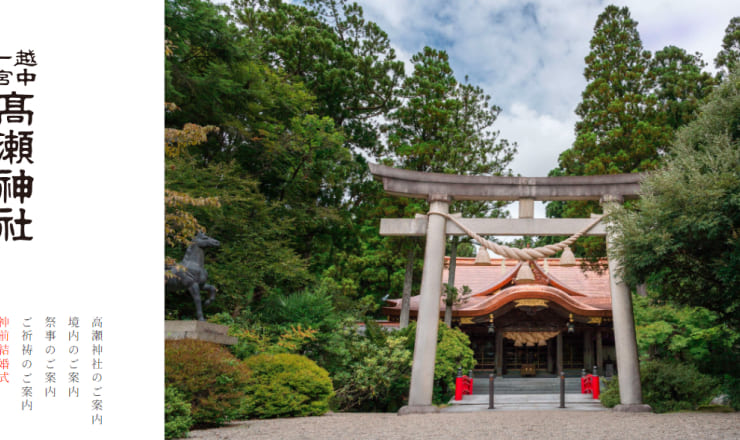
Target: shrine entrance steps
{"x": 525, "y": 385}
{"x": 522, "y": 394}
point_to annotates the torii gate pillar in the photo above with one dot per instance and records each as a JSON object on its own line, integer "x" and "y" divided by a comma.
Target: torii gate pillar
{"x": 625, "y": 339}
{"x": 427, "y": 322}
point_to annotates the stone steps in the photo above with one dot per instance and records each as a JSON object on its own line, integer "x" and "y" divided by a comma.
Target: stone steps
{"x": 520, "y": 393}
{"x": 535, "y": 385}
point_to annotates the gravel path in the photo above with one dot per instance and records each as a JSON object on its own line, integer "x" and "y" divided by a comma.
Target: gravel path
{"x": 539, "y": 425}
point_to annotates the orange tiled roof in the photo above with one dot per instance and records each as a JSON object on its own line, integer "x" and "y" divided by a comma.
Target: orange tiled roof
{"x": 581, "y": 292}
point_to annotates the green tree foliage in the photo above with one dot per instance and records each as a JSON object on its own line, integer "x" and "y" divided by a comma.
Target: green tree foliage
{"x": 375, "y": 372}
{"x": 667, "y": 386}
{"x": 446, "y": 127}
{"x": 632, "y": 103}
{"x": 312, "y": 310}
{"x": 609, "y": 396}
{"x": 267, "y": 123}
{"x": 680, "y": 84}
{"x": 207, "y": 65}
{"x": 306, "y": 177}
{"x": 209, "y": 377}
{"x": 367, "y": 267}
{"x": 181, "y": 225}
{"x": 255, "y": 337}
{"x": 254, "y": 260}
{"x": 453, "y": 352}
{"x": 285, "y": 385}
{"x": 343, "y": 59}
{"x": 728, "y": 58}
{"x": 347, "y": 64}
{"x": 177, "y": 420}
{"x": 618, "y": 131}
{"x": 631, "y": 106}
{"x": 280, "y": 169}
{"x": 692, "y": 335}
{"x": 308, "y": 308}
{"x": 466, "y": 250}
{"x": 683, "y": 238}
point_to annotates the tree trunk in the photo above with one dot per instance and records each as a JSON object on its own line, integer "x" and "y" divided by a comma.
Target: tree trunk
{"x": 451, "y": 281}
{"x": 407, "y": 283}
{"x": 642, "y": 290}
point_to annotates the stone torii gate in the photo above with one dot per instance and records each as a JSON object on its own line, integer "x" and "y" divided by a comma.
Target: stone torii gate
{"x": 441, "y": 189}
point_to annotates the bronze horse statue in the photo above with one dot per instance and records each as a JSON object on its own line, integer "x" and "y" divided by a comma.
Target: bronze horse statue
{"x": 190, "y": 274}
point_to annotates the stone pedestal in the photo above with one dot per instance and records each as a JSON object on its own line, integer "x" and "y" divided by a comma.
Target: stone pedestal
{"x": 418, "y": 409}
{"x": 633, "y": 407}
{"x": 205, "y": 331}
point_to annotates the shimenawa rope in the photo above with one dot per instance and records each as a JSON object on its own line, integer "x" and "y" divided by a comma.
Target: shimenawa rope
{"x": 520, "y": 254}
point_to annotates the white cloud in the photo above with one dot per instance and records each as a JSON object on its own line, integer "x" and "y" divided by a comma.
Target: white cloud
{"x": 516, "y": 52}
{"x": 696, "y": 26}
{"x": 541, "y": 138}
{"x": 530, "y": 56}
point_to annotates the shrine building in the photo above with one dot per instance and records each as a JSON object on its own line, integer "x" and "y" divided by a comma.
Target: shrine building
{"x": 555, "y": 318}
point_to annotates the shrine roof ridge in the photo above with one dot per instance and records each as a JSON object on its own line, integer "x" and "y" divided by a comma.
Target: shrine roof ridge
{"x": 418, "y": 184}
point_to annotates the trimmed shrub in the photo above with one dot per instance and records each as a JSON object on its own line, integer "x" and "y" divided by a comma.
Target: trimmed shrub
{"x": 285, "y": 385}
{"x": 177, "y": 418}
{"x": 210, "y": 378}
{"x": 672, "y": 386}
{"x": 667, "y": 386}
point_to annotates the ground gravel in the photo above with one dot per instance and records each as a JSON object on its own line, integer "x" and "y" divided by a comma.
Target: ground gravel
{"x": 539, "y": 425}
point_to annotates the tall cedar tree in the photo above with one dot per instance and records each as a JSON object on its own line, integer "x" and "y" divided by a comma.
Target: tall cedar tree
{"x": 445, "y": 127}
{"x": 680, "y": 85}
{"x": 728, "y": 58}
{"x": 631, "y": 107}
{"x": 619, "y": 130}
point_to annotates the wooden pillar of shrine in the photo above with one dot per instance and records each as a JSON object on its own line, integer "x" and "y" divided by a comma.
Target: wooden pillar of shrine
{"x": 499, "y": 354}
{"x": 588, "y": 350}
{"x": 599, "y": 352}
{"x": 559, "y": 363}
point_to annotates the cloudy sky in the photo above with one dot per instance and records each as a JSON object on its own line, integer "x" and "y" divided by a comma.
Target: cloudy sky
{"x": 529, "y": 56}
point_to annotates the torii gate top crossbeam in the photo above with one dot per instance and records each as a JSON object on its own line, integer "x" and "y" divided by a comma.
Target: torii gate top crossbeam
{"x": 416, "y": 184}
